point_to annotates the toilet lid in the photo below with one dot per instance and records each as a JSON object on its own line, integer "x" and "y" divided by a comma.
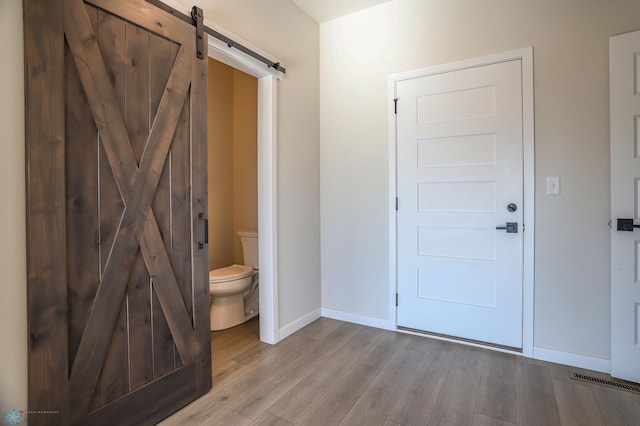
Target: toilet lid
{"x": 230, "y": 273}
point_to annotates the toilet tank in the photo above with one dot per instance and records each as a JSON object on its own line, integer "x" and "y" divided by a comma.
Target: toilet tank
{"x": 249, "y": 241}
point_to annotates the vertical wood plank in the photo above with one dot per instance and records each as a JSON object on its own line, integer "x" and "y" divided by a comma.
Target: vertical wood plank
{"x": 83, "y": 258}
{"x": 137, "y": 119}
{"x": 199, "y": 204}
{"x": 181, "y": 194}
{"x": 162, "y": 56}
{"x": 111, "y": 34}
{"x": 96, "y": 401}
{"x": 115, "y": 372}
{"x": 46, "y": 233}
{"x": 139, "y": 313}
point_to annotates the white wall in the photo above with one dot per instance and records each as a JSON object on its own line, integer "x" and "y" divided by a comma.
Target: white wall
{"x": 570, "y": 40}
{"x": 13, "y": 272}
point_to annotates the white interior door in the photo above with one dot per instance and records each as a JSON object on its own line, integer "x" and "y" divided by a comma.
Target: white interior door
{"x": 460, "y": 175}
{"x": 625, "y": 204}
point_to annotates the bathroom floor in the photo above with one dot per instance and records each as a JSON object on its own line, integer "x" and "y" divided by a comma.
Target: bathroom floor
{"x": 228, "y": 344}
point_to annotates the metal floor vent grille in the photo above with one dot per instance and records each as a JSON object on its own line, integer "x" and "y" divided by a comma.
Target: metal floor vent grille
{"x": 629, "y": 387}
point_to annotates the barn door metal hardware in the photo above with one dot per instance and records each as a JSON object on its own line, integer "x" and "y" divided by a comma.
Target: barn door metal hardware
{"x": 626, "y": 225}
{"x": 511, "y": 228}
{"x": 223, "y": 38}
{"x": 198, "y": 20}
{"x": 201, "y": 244}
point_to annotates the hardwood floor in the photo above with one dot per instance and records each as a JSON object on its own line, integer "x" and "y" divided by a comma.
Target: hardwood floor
{"x": 333, "y": 372}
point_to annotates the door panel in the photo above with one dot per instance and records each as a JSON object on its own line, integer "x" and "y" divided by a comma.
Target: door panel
{"x": 120, "y": 212}
{"x": 460, "y": 165}
{"x": 625, "y": 204}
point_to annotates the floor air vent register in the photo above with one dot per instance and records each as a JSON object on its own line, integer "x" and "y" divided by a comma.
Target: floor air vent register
{"x": 616, "y": 384}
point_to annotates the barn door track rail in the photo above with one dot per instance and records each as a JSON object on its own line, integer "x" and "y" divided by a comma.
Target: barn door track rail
{"x": 197, "y": 19}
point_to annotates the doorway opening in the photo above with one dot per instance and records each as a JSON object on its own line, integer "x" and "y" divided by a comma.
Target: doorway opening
{"x": 266, "y": 180}
{"x": 233, "y": 202}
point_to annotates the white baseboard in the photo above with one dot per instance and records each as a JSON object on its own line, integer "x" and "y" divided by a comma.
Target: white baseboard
{"x": 359, "y": 319}
{"x": 574, "y": 360}
{"x": 302, "y": 322}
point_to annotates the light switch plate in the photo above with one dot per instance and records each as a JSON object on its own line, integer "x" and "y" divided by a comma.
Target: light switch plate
{"x": 553, "y": 185}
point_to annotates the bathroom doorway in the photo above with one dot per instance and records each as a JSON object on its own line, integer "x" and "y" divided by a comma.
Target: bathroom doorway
{"x": 232, "y": 189}
{"x": 232, "y": 161}
{"x": 267, "y": 80}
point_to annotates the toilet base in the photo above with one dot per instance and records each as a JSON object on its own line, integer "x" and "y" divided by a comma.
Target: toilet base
{"x": 227, "y": 312}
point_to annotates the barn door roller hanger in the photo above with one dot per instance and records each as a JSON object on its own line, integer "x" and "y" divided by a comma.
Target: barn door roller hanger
{"x": 197, "y": 19}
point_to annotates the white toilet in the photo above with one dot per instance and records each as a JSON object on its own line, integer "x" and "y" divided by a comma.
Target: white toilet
{"x": 234, "y": 289}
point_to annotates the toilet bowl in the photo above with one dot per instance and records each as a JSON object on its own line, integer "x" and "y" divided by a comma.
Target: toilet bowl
{"x": 234, "y": 289}
{"x": 226, "y": 286}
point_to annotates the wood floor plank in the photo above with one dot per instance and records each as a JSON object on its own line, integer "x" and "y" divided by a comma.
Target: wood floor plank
{"x": 236, "y": 340}
{"x": 225, "y": 369}
{"x": 248, "y": 378}
{"x": 264, "y": 349}
{"x": 457, "y": 397}
{"x": 482, "y": 420}
{"x": 616, "y": 406}
{"x": 222, "y": 416}
{"x": 264, "y": 395}
{"x": 340, "y": 398}
{"x": 267, "y": 419}
{"x": 194, "y": 412}
{"x": 536, "y": 398}
{"x": 576, "y": 404}
{"x": 383, "y": 350}
{"x": 382, "y": 394}
{"x": 416, "y": 403}
{"x": 498, "y": 388}
{"x": 321, "y": 328}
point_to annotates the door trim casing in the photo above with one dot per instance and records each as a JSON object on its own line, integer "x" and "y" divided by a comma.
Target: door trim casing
{"x": 525, "y": 55}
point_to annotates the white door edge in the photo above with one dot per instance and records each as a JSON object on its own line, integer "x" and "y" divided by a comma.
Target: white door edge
{"x": 526, "y": 56}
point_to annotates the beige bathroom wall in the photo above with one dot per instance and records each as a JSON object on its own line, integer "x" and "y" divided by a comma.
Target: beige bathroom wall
{"x": 233, "y": 161}
{"x": 245, "y": 157}
{"x": 220, "y": 166}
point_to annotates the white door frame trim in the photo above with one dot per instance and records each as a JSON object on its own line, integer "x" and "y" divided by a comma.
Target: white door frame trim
{"x": 525, "y": 55}
{"x": 267, "y": 181}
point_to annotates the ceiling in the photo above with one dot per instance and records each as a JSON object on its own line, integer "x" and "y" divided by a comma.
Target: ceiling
{"x": 326, "y": 10}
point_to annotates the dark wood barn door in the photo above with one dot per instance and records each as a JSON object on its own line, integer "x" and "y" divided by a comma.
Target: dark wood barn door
{"x": 116, "y": 150}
